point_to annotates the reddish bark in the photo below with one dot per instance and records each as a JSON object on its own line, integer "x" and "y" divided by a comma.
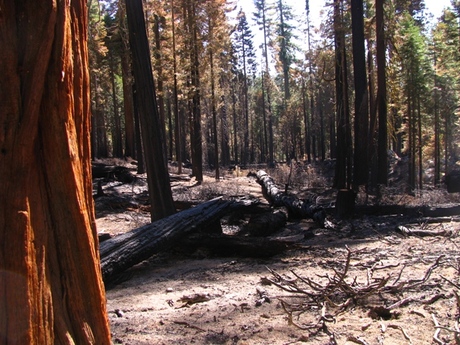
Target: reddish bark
{"x": 51, "y": 289}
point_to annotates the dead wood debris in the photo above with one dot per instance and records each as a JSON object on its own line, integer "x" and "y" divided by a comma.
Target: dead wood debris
{"x": 193, "y": 299}
{"x": 338, "y": 292}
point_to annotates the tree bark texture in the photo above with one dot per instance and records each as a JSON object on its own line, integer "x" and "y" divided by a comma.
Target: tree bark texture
{"x": 51, "y": 290}
{"x": 296, "y": 207}
{"x": 124, "y": 251}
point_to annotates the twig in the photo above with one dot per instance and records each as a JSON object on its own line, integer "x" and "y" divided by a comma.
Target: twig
{"x": 451, "y": 282}
{"x": 427, "y": 273}
{"x": 183, "y": 323}
{"x": 403, "y": 332}
{"x": 437, "y": 331}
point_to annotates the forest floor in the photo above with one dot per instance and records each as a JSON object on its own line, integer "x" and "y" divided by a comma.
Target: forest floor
{"x": 362, "y": 282}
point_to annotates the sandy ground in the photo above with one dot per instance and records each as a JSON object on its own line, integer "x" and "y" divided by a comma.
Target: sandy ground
{"x": 177, "y": 299}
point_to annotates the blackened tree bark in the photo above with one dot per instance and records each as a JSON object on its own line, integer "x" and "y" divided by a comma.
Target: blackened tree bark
{"x": 51, "y": 290}
{"x": 360, "y": 163}
{"x": 196, "y": 138}
{"x": 177, "y": 120}
{"x": 157, "y": 173}
{"x": 160, "y": 88}
{"x": 382, "y": 177}
{"x": 343, "y": 171}
{"x": 128, "y": 106}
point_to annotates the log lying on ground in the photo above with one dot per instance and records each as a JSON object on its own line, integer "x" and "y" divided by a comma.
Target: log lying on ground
{"x": 296, "y": 207}
{"x": 228, "y": 245}
{"x": 124, "y": 251}
{"x": 265, "y": 224}
{"x": 119, "y": 173}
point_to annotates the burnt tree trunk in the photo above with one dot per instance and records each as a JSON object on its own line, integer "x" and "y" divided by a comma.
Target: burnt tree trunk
{"x": 297, "y": 208}
{"x": 151, "y": 128}
{"x": 124, "y": 251}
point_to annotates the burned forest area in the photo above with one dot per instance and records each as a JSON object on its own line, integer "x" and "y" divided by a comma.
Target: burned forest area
{"x": 261, "y": 257}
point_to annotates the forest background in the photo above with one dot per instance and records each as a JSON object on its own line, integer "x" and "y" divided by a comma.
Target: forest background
{"x": 234, "y": 93}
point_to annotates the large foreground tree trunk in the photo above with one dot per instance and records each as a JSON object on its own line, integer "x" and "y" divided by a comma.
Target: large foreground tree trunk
{"x": 51, "y": 290}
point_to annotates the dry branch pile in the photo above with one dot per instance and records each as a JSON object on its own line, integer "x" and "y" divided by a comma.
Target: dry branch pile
{"x": 333, "y": 294}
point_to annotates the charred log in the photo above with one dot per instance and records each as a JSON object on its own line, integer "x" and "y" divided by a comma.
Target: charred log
{"x": 124, "y": 251}
{"x": 265, "y": 224}
{"x": 227, "y": 245}
{"x": 296, "y": 207}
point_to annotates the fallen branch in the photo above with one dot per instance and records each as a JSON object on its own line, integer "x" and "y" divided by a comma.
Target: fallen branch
{"x": 422, "y": 233}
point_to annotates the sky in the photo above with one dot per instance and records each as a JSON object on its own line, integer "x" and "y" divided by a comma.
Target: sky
{"x": 435, "y": 7}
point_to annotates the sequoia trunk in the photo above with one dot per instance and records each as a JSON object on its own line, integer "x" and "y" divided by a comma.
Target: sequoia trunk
{"x": 51, "y": 290}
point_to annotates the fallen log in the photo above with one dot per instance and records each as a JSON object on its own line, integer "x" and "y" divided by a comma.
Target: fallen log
{"x": 296, "y": 207}
{"x": 118, "y": 173}
{"x": 265, "y": 224}
{"x": 229, "y": 245}
{"x": 124, "y": 251}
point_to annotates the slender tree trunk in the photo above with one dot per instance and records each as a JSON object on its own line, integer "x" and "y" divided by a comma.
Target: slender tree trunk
{"x": 196, "y": 136}
{"x": 419, "y": 145}
{"x": 137, "y": 127}
{"x": 267, "y": 85}
{"x": 161, "y": 98}
{"x": 235, "y": 126}
{"x": 382, "y": 177}
{"x": 117, "y": 150}
{"x": 373, "y": 134}
{"x": 264, "y": 156}
{"x": 437, "y": 146}
{"x": 128, "y": 106}
{"x": 177, "y": 121}
{"x": 157, "y": 173}
{"x": 50, "y": 279}
{"x": 170, "y": 127}
{"x": 224, "y": 133}
{"x": 308, "y": 123}
{"x": 214, "y": 117}
{"x": 101, "y": 131}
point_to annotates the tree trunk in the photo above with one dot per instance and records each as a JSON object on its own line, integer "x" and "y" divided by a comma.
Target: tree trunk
{"x": 177, "y": 120}
{"x": 50, "y": 281}
{"x": 130, "y": 146}
{"x": 382, "y": 177}
{"x": 157, "y": 173}
{"x": 227, "y": 245}
{"x": 361, "y": 166}
{"x": 124, "y": 251}
{"x": 296, "y": 207}
{"x": 161, "y": 97}
{"x": 196, "y": 136}
{"x": 344, "y": 145}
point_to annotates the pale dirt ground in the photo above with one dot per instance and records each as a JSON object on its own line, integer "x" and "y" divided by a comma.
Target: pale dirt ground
{"x": 146, "y": 307}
